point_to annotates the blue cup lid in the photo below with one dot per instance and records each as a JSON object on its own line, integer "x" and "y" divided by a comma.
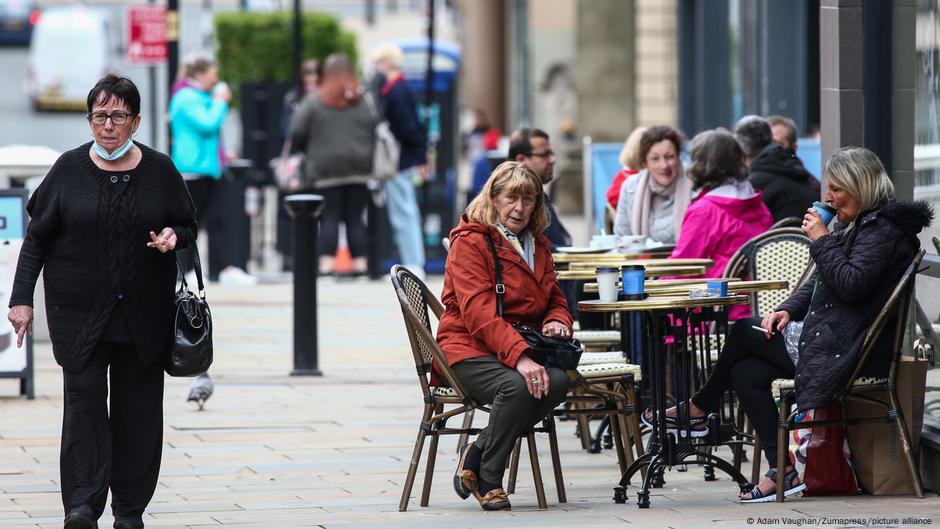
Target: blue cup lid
{"x": 627, "y": 268}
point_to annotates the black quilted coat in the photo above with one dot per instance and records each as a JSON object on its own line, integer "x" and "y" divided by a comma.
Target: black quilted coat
{"x": 857, "y": 269}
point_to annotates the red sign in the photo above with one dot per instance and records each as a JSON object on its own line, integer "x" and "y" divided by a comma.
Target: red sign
{"x": 146, "y": 34}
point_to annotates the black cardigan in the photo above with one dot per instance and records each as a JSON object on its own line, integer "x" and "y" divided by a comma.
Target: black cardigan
{"x": 89, "y": 230}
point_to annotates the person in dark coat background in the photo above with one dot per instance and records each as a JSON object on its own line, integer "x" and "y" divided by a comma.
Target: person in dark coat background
{"x": 816, "y": 335}
{"x": 104, "y": 225}
{"x": 401, "y": 111}
{"x": 785, "y": 185}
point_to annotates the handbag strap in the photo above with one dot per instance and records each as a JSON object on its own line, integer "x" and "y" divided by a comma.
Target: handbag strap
{"x": 194, "y": 251}
{"x": 500, "y": 287}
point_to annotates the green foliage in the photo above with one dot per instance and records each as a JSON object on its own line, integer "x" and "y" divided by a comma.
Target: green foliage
{"x": 255, "y": 46}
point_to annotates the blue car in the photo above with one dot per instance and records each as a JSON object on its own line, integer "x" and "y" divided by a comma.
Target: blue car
{"x": 17, "y": 18}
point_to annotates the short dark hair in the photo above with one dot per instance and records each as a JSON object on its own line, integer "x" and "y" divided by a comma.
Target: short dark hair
{"x": 716, "y": 157}
{"x": 115, "y": 86}
{"x": 753, "y": 133}
{"x": 786, "y": 122}
{"x": 336, "y": 63}
{"x": 654, "y": 135}
{"x": 520, "y": 142}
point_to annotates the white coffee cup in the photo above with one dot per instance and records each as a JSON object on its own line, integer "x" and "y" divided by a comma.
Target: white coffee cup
{"x": 603, "y": 241}
{"x": 607, "y": 283}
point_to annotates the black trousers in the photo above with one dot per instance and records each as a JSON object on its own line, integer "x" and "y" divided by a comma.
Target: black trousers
{"x": 749, "y": 363}
{"x": 121, "y": 451}
{"x": 347, "y": 204}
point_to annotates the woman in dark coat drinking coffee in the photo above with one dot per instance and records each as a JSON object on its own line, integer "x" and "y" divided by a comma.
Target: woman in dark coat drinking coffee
{"x": 815, "y": 336}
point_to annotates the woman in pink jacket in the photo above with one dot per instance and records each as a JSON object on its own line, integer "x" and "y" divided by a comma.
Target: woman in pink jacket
{"x": 727, "y": 212}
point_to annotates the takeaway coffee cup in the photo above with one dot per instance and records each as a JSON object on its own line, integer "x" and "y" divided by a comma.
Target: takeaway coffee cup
{"x": 632, "y": 279}
{"x": 607, "y": 283}
{"x": 825, "y": 211}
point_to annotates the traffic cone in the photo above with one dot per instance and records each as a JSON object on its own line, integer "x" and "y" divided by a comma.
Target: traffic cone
{"x": 344, "y": 263}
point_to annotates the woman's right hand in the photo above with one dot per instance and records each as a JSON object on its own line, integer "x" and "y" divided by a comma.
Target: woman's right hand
{"x": 775, "y": 321}
{"x": 535, "y": 376}
{"x": 21, "y": 316}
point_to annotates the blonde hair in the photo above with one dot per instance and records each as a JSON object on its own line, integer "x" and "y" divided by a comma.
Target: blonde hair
{"x": 630, "y": 154}
{"x": 511, "y": 177}
{"x": 861, "y": 174}
{"x": 389, "y": 53}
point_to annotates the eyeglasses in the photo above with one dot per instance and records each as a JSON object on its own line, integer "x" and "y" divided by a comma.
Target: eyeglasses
{"x": 546, "y": 154}
{"x": 99, "y": 118}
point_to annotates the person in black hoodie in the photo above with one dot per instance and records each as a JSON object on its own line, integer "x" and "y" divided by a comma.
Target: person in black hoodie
{"x": 815, "y": 336}
{"x": 786, "y": 186}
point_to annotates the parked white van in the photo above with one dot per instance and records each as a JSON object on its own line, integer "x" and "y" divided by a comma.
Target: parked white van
{"x": 68, "y": 53}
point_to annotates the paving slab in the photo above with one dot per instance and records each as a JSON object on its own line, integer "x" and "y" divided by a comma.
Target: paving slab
{"x": 273, "y": 451}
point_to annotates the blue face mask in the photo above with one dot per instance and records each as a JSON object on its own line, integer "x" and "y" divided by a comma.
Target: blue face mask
{"x": 114, "y": 155}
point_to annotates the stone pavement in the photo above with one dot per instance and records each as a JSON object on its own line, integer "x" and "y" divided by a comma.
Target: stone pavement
{"x": 275, "y": 451}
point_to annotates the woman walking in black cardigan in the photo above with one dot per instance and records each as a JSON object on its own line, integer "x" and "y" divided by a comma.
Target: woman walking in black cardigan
{"x": 104, "y": 226}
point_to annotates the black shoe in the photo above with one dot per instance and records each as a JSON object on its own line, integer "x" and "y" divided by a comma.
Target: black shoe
{"x": 465, "y": 479}
{"x": 128, "y": 522}
{"x": 81, "y": 517}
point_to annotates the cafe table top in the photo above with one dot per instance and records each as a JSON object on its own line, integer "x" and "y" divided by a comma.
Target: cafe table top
{"x": 651, "y": 271}
{"x": 560, "y": 257}
{"x": 587, "y": 264}
{"x": 678, "y": 287}
{"x": 660, "y": 303}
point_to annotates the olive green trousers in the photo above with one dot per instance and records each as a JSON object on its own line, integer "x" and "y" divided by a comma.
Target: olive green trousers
{"x": 513, "y": 409}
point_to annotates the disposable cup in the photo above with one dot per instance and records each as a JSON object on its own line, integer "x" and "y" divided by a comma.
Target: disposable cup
{"x": 607, "y": 283}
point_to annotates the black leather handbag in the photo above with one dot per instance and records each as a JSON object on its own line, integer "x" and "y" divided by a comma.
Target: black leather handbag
{"x": 191, "y": 355}
{"x": 545, "y": 350}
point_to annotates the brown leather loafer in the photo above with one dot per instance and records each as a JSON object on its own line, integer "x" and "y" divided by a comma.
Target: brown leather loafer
{"x": 465, "y": 480}
{"x": 494, "y": 500}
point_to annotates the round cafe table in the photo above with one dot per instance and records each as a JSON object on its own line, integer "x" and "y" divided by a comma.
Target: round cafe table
{"x": 681, "y": 287}
{"x": 586, "y": 264}
{"x": 662, "y": 318}
{"x": 651, "y": 271}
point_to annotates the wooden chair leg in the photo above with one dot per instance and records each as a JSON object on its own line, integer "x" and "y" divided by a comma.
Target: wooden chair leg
{"x": 514, "y": 467}
{"x": 412, "y": 470}
{"x": 556, "y": 459}
{"x": 617, "y": 433}
{"x": 783, "y": 432}
{"x": 756, "y": 463}
{"x": 429, "y": 472}
{"x": 467, "y": 423}
{"x": 536, "y": 471}
{"x": 634, "y": 421}
{"x": 907, "y": 447}
{"x": 584, "y": 427}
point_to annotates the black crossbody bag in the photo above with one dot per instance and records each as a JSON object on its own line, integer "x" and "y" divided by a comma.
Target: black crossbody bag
{"x": 545, "y": 350}
{"x": 191, "y": 355}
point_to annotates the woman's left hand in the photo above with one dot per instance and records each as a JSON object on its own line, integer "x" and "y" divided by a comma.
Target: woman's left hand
{"x": 556, "y": 329}
{"x": 813, "y": 225}
{"x": 165, "y": 241}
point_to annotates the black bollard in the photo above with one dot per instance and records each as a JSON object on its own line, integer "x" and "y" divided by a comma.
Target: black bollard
{"x": 305, "y": 210}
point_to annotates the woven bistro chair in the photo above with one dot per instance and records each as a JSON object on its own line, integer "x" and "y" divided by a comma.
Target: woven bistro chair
{"x": 417, "y": 304}
{"x": 879, "y": 391}
{"x": 781, "y": 254}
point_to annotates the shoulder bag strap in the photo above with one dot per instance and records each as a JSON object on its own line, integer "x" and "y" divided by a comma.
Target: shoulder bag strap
{"x": 500, "y": 287}
{"x": 194, "y": 251}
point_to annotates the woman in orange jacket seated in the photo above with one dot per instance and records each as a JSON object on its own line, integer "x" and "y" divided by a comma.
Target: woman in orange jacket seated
{"x": 489, "y": 357}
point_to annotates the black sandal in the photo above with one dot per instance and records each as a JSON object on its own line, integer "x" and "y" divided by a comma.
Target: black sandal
{"x": 789, "y": 489}
{"x": 699, "y": 425}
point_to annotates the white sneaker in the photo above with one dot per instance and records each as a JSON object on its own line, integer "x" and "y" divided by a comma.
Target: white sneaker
{"x": 236, "y": 276}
